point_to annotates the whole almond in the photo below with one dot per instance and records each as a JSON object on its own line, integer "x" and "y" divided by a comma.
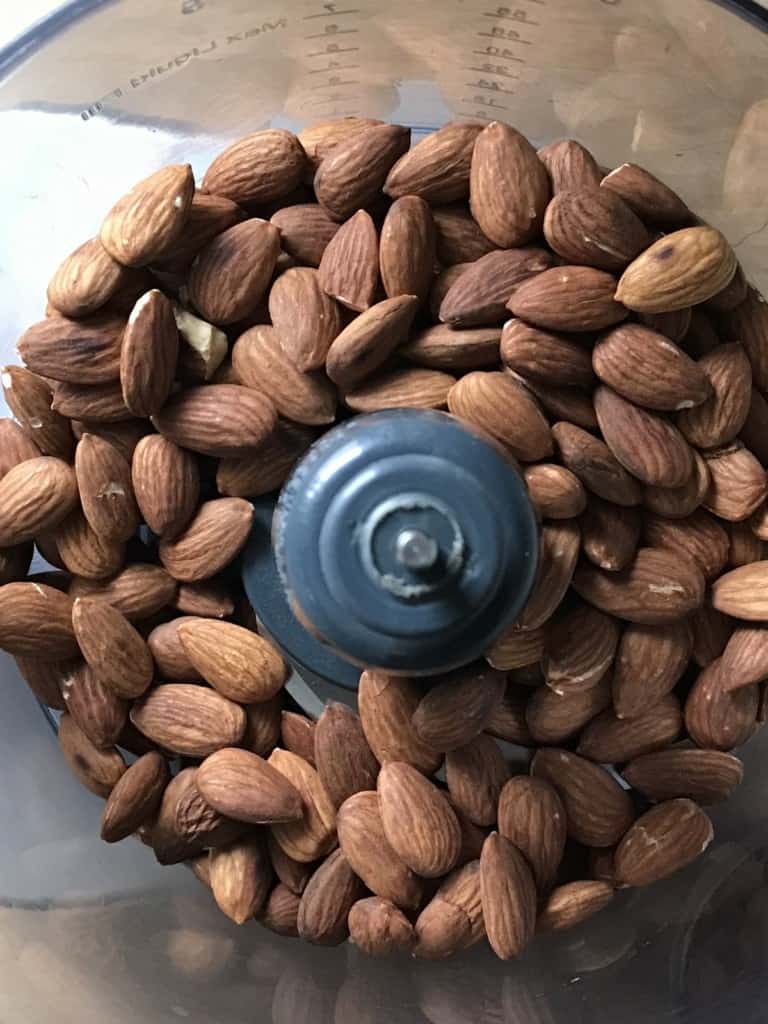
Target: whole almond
{"x": 171, "y": 659}
{"x": 650, "y": 198}
{"x": 209, "y": 599}
{"x": 476, "y": 774}
{"x": 721, "y": 417}
{"x": 291, "y": 872}
{"x": 349, "y": 268}
{"x": 244, "y": 787}
{"x": 532, "y": 816}
{"x": 717, "y": 719}
{"x": 217, "y": 532}
{"x": 187, "y": 824}
{"x": 45, "y": 678}
{"x": 479, "y": 296}
{"x": 267, "y": 466}
{"x": 558, "y": 554}
{"x": 649, "y": 370}
{"x": 124, "y": 435}
{"x": 458, "y": 706}
{"x": 96, "y": 708}
{"x": 166, "y": 484}
{"x": 459, "y": 238}
{"x": 189, "y": 719}
{"x": 150, "y": 217}
{"x": 745, "y": 546}
{"x": 554, "y": 716}
{"x": 509, "y": 187}
{"x": 508, "y": 719}
{"x": 305, "y": 318}
{"x": 442, "y": 348}
{"x": 208, "y": 216}
{"x": 149, "y": 354}
{"x": 680, "y": 502}
{"x": 580, "y": 646}
{"x": 230, "y": 275}
{"x": 572, "y": 903}
{"x": 609, "y": 739}
{"x": 593, "y": 226}
{"x": 598, "y": 810}
{"x": 97, "y": 403}
{"x": 86, "y": 280}
{"x": 15, "y": 446}
{"x": 138, "y": 591}
{"x": 453, "y": 918}
{"x": 115, "y": 651}
{"x": 219, "y": 419}
{"x": 508, "y": 895}
{"x": 298, "y": 735}
{"x": 36, "y": 620}
{"x": 710, "y": 632}
{"x": 569, "y": 404}
{"x": 401, "y": 389}
{"x": 83, "y": 551}
{"x": 610, "y": 534}
{"x": 262, "y": 730}
{"x": 673, "y": 325}
{"x": 314, "y": 834}
{"x": 77, "y": 351}
{"x": 280, "y": 912}
{"x": 544, "y": 356}
{"x": 649, "y": 663}
{"x": 362, "y": 838}
{"x": 329, "y": 897}
{"x": 378, "y": 927}
{"x": 353, "y": 172}
{"x": 240, "y": 878}
{"x": 240, "y": 664}
{"x": 732, "y": 296}
{"x": 663, "y": 840}
{"x": 306, "y": 230}
{"x": 497, "y": 404}
{"x": 748, "y": 325}
{"x": 738, "y": 483}
{"x": 106, "y": 489}
{"x": 555, "y": 491}
{"x": 98, "y": 770}
{"x": 745, "y": 658}
{"x": 592, "y": 461}
{"x": 706, "y": 776}
{"x": 135, "y": 798}
{"x": 569, "y": 299}
{"x": 257, "y": 168}
{"x": 516, "y": 648}
{"x": 570, "y": 165}
{"x": 345, "y": 762}
{"x": 681, "y": 269}
{"x": 436, "y": 168}
{"x": 262, "y": 363}
{"x": 407, "y": 248}
{"x": 30, "y": 399}
{"x": 369, "y": 340}
{"x": 699, "y": 535}
{"x": 35, "y": 496}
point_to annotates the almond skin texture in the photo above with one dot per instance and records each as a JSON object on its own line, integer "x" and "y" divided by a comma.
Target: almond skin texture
{"x": 349, "y": 269}
{"x": 306, "y": 231}
{"x": 106, "y": 490}
{"x": 570, "y": 904}
{"x": 166, "y": 484}
{"x": 407, "y": 248}
{"x": 36, "y": 620}
{"x": 569, "y": 299}
{"x": 710, "y": 631}
{"x": 369, "y": 340}
{"x": 680, "y": 502}
{"x": 509, "y": 186}
{"x": 745, "y": 658}
{"x": 281, "y": 911}
{"x": 721, "y": 417}
{"x": 508, "y": 895}
{"x": 297, "y": 733}
{"x": 257, "y": 168}
{"x": 83, "y": 551}
{"x": 555, "y": 491}
{"x": 245, "y": 787}
{"x": 135, "y": 798}
{"x": 352, "y": 174}
{"x": 649, "y": 663}
{"x": 187, "y": 824}
{"x": 662, "y": 841}
{"x": 650, "y": 198}
{"x": 77, "y": 351}
{"x": 124, "y": 435}
{"x": 189, "y": 719}
{"x": 171, "y": 659}
{"x": 544, "y": 356}
{"x": 580, "y": 645}
{"x": 320, "y": 137}
{"x": 738, "y": 483}
{"x": 219, "y": 419}
{"x": 459, "y": 238}
{"x": 706, "y": 776}
{"x": 44, "y": 678}
{"x": 476, "y": 774}
{"x": 532, "y": 816}
{"x": 558, "y": 553}
{"x": 208, "y": 216}
{"x": 15, "y": 446}
{"x": 149, "y": 217}
{"x": 516, "y": 648}
{"x": 149, "y": 354}
{"x": 594, "y": 227}
{"x": 508, "y": 720}
{"x": 213, "y": 538}
{"x": 418, "y": 821}
{"x": 96, "y": 708}
{"x": 240, "y": 664}
{"x": 458, "y": 706}
{"x": 649, "y": 370}
{"x": 437, "y": 168}
{"x": 592, "y": 461}
{"x": 608, "y": 739}
{"x": 97, "y": 403}
{"x": 598, "y": 810}
{"x": 479, "y": 296}
{"x": 267, "y": 466}
{"x": 306, "y": 318}
{"x": 115, "y": 651}
{"x": 379, "y": 928}
{"x": 674, "y": 325}
{"x": 610, "y": 534}
{"x": 98, "y": 770}
{"x": 409, "y": 388}
{"x": 748, "y": 324}
{"x": 570, "y": 166}
{"x": 35, "y": 496}
{"x": 494, "y": 402}
{"x": 716, "y": 719}
{"x": 231, "y": 274}
{"x": 332, "y": 892}
{"x": 453, "y": 918}
{"x": 344, "y": 761}
{"x": 699, "y": 535}
{"x": 553, "y": 716}
{"x": 86, "y": 280}
{"x": 138, "y": 591}
{"x": 240, "y": 878}
{"x": 681, "y": 269}
{"x": 315, "y": 834}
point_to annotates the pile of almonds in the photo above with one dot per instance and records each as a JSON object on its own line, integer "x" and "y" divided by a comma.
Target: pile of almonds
{"x": 585, "y": 320}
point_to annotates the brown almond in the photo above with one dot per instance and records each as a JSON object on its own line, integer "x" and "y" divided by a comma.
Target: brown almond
{"x": 479, "y": 296}
{"x": 663, "y": 840}
{"x": 219, "y": 419}
{"x": 673, "y": 325}
{"x": 115, "y": 651}
{"x": 171, "y": 659}
{"x": 745, "y": 658}
{"x": 649, "y": 663}
{"x": 476, "y": 774}
{"x": 379, "y": 928}
{"x": 30, "y": 399}
{"x": 240, "y": 878}
{"x": 106, "y": 489}
{"x": 267, "y": 466}
{"x": 572, "y": 903}
{"x": 124, "y": 435}
{"x": 745, "y": 546}
{"x": 97, "y": 403}
{"x": 407, "y": 248}
{"x": 209, "y": 599}
{"x": 241, "y": 665}
{"x": 710, "y": 632}
{"x": 44, "y": 678}
{"x": 442, "y": 348}
{"x": 608, "y": 739}
{"x": 306, "y": 231}
{"x": 544, "y": 356}
{"x": 186, "y": 823}
{"x": 149, "y": 218}
{"x": 281, "y": 911}
{"x": 516, "y": 648}
{"x": 650, "y": 198}
{"x": 758, "y": 523}
{"x": 216, "y": 534}
{"x": 386, "y": 705}
{"x": 166, "y": 484}
{"x": 580, "y": 646}
{"x": 138, "y": 591}
{"x": 748, "y": 325}
{"x": 189, "y": 719}
{"x": 291, "y": 872}
{"x": 401, "y": 389}
{"x": 349, "y": 269}
{"x": 593, "y": 226}
{"x": 721, "y": 417}
{"x": 208, "y": 216}
{"x": 532, "y": 817}
{"x": 245, "y": 787}
{"x": 35, "y": 496}
{"x": 77, "y": 351}
{"x": 332, "y": 892}
{"x": 569, "y": 404}
{"x": 83, "y": 551}
{"x": 699, "y": 535}
{"x": 555, "y": 491}
{"x": 554, "y": 716}
{"x": 732, "y": 296}
{"x": 86, "y": 280}
{"x": 149, "y": 353}
{"x": 706, "y": 776}
{"x": 610, "y": 534}
{"x": 453, "y": 918}
{"x": 592, "y": 461}
{"x": 305, "y": 318}
{"x": 135, "y": 799}
{"x": 558, "y": 554}
{"x": 458, "y": 706}
{"x": 344, "y": 761}
{"x": 570, "y": 165}
{"x": 717, "y": 719}
{"x": 569, "y": 298}
{"x": 96, "y": 708}
{"x": 314, "y": 834}
{"x": 437, "y": 167}
{"x": 497, "y": 404}
{"x": 258, "y": 168}
{"x": 353, "y": 172}
{"x": 15, "y": 446}
{"x": 262, "y": 730}
{"x": 297, "y": 733}
{"x": 369, "y": 340}
{"x": 738, "y": 483}
{"x": 680, "y": 502}
{"x": 98, "y": 770}
{"x": 508, "y": 719}
{"x": 459, "y": 237}
{"x": 508, "y": 895}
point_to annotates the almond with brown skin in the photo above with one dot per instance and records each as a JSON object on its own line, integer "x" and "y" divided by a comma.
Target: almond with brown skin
{"x": 241, "y": 665}
{"x": 570, "y": 166}
{"x": 732, "y": 296}
{"x": 598, "y": 810}
{"x": 349, "y": 269}
{"x": 369, "y": 340}
{"x": 568, "y": 404}
{"x": 86, "y": 280}
{"x": 544, "y": 356}
{"x": 453, "y": 918}
{"x": 15, "y": 446}
{"x": 345, "y": 762}
{"x": 98, "y": 770}
{"x": 306, "y": 230}
{"x": 97, "y": 403}
{"x": 758, "y": 523}
{"x": 745, "y": 658}
{"x": 699, "y": 535}
{"x": 35, "y": 496}
{"x": 717, "y": 719}
{"x": 738, "y": 483}
{"x": 458, "y": 706}
{"x": 508, "y": 895}
{"x": 407, "y": 248}
{"x": 297, "y": 733}
{"x": 281, "y": 911}
{"x": 115, "y": 651}
{"x": 257, "y": 168}
{"x": 306, "y": 319}
{"x": 706, "y": 776}
{"x": 401, "y": 389}
{"x": 96, "y": 708}
{"x": 650, "y": 198}
{"x": 352, "y": 173}
{"x": 745, "y": 546}
{"x": 459, "y": 238}
{"x": 244, "y": 787}
{"x": 748, "y": 325}
{"x": 592, "y": 461}
{"x": 437, "y": 168}
{"x": 647, "y": 369}
{"x": 171, "y": 659}
{"x": 216, "y": 534}
{"x": 106, "y": 490}
{"x": 240, "y": 878}
{"x": 509, "y": 187}
{"x": 649, "y": 663}
{"x": 77, "y": 351}
{"x": 379, "y": 928}
{"x": 262, "y": 363}
{"x": 219, "y": 419}
{"x": 476, "y": 774}
{"x": 554, "y": 716}
{"x": 680, "y": 502}
{"x": 532, "y": 816}
{"x": 673, "y": 325}
{"x": 150, "y": 217}
{"x": 710, "y": 632}
{"x": 124, "y": 435}
{"x": 83, "y": 551}
{"x": 721, "y": 417}
{"x": 442, "y": 348}
{"x": 291, "y": 872}
{"x": 555, "y": 491}
{"x": 149, "y": 354}
{"x": 320, "y": 137}
{"x": 442, "y": 283}
{"x": 569, "y": 299}
{"x": 558, "y": 554}
{"x": 166, "y": 484}
{"x": 386, "y": 705}
{"x": 44, "y": 678}
{"x": 210, "y": 599}
{"x": 608, "y": 739}
{"x": 332, "y": 892}
{"x": 572, "y": 903}
{"x": 314, "y": 835}
{"x": 610, "y": 534}
{"x": 138, "y": 591}
{"x": 187, "y": 824}
{"x": 516, "y": 648}
{"x": 189, "y": 719}
{"x": 595, "y": 227}
{"x": 478, "y": 298}
{"x": 231, "y": 274}
{"x": 267, "y": 466}
{"x": 580, "y": 646}
{"x": 208, "y": 216}
{"x": 497, "y": 404}
{"x": 662, "y": 841}
{"x": 135, "y": 799}
{"x": 508, "y": 719}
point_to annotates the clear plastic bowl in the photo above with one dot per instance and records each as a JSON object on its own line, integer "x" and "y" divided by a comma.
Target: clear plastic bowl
{"x": 103, "y": 93}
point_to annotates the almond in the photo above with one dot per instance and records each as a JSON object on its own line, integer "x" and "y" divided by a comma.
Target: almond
{"x": 262, "y": 363}
{"x": 748, "y": 325}
{"x": 496, "y": 404}
{"x": 267, "y": 466}
{"x": 598, "y": 810}
{"x": 208, "y": 216}
{"x": 186, "y": 824}
{"x": 291, "y": 872}
{"x": 442, "y": 348}
{"x": 97, "y": 403}
{"x": 592, "y": 461}
{"x": 593, "y": 226}
{"x": 532, "y": 817}
{"x": 479, "y": 296}
{"x": 758, "y": 523}
{"x": 745, "y": 658}
{"x": 553, "y": 716}
{"x": 262, "y": 731}
{"x": 680, "y": 502}
{"x": 710, "y": 632}
{"x": 216, "y": 534}
{"x": 124, "y": 435}
{"x": 650, "y": 198}
{"x": 716, "y": 718}
{"x": 281, "y": 911}
{"x": 240, "y": 878}
{"x": 362, "y": 839}
{"x": 115, "y": 651}
{"x": 45, "y": 678}
{"x": 320, "y": 137}
{"x": 369, "y": 340}
{"x": 245, "y": 787}
{"x": 96, "y": 708}
{"x": 331, "y": 894}
{"x": 106, "y": 490}
{"x": 230, "y": 275}
{"x": 86, "y": 280}
{"x": 738, "y": 483}
{"x": 166, "y": 484}
{"x": 568, "y": 299}
{"x": 516, "y": 648}
{"x": 649, "y": 663}
{"x": 458, "y": 706}
{"x": 298, "y": 735}
{"x": 508, "y": 895}
{"x": 610, "y": 534}
{"x": 378, "y": 927}
{"x": 85, "y": 552}
{"x": 744, "y": 546}
{"x": 98, "y": 770}
{"x": 150, "y": 217}
{"x": 580, "y": 645}
{"x": 257, "y": 168}
{"x": 555, "y": 491}
{"x": 616, "y": 740}
{"x": 135, "y": 799}
{"x": 306, "y": 230}
{"x": 572, "y": 903}
{"x": 401, "y": 389}
{"x": 220, "y": 419}
{"x": 210, "y": 599}
{"x": 314, "y": 834}
{"x": 647, "y": 369}
{"x": 570, "y": 166}
{"x": 35, "y": 496}
{"x": 149, "y": 354}
{"x": 459, "y": 238}
{"x": 681, "y": 269}
{"x": 189, "y": 719}
{"x": 721, "y": 417}
{"x": 238, "y": 663}
{"x": 305, "y": 318}
{"x": 171, "y": 659}
{"x": 138, "y": 591}
{"x": 437, "y": 168}
{"x": 476, "y": 774}
{"x": 706, "y": 776}
{"x": 663, "y": 840}
{"x": 558, "y": 553}
{"x": 509, "y": 187}
{"x": 732, "y": 296}
{"x": 699, "y": 535}
{"x": 353, "y": 172}
{"x": 567, "y": 404}
{"x": 453, "y": 918}
{"x": 546, "y": 357}
{"x": 349, "y": 268}
{"x": 15, "y": 446}
{"x": 646, "y": 445}
{"x": 77, "y": 351}
{"x": 508, "y": 719}
{"x": 673, "y": 325}
{"x": 407, "y": 248}
{"x": 345, "y": 762}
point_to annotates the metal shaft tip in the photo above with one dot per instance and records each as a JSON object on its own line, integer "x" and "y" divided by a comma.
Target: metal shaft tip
{"x": 416, "y": 550}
